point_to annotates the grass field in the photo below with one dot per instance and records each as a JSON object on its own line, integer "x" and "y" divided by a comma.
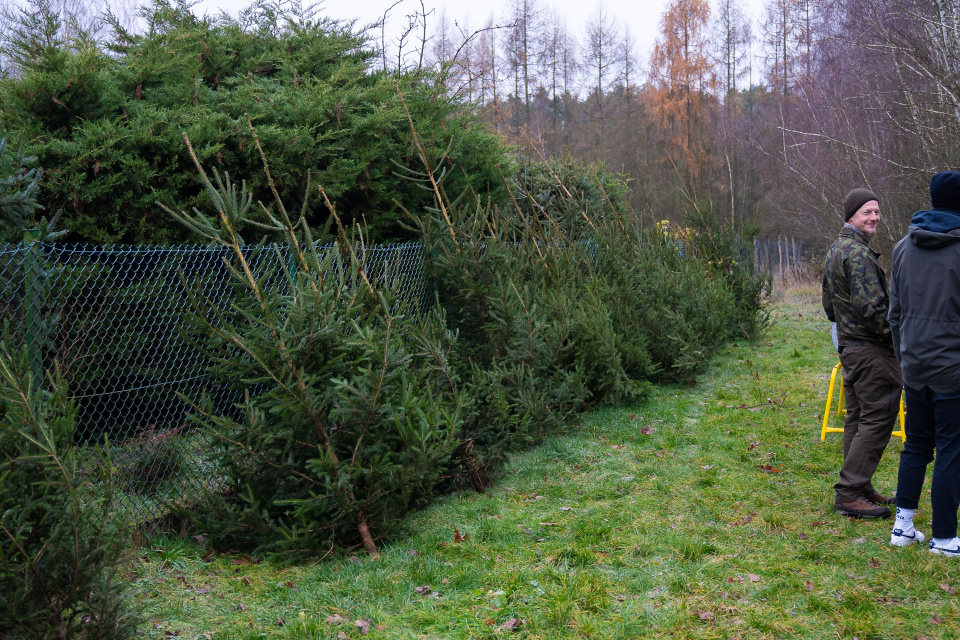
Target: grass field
{"x": 705, "y": 512}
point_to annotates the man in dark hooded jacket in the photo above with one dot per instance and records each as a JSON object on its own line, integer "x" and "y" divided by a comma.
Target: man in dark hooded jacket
{"x": 925, "y": 322}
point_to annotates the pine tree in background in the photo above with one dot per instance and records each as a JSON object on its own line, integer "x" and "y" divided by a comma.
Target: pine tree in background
{"x": 19, "y": 183}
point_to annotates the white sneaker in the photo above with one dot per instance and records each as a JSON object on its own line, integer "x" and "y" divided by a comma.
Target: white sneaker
{"x": 953, "y": 550}
{"x": 900, "y": 539}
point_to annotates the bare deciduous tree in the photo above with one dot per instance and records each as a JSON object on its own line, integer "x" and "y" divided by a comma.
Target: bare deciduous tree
{"x": 526, "y": 16}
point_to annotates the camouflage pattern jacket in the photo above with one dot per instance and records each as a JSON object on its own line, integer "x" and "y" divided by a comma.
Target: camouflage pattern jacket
{"x": 855, "y": 293}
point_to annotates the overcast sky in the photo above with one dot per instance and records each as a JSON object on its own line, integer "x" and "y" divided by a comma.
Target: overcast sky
{"x": 641, "y": 16}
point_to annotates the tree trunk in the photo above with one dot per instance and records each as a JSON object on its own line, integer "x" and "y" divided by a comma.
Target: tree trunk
{"x": 364, "y": 530}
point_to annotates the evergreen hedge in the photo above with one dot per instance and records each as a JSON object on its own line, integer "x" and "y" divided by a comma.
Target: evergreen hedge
{"x": 106, "y": 122}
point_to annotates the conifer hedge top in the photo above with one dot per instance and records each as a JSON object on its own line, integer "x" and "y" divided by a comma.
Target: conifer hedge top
{"x": 106, "y": 121}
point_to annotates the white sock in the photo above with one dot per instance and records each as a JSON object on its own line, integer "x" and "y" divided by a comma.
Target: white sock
{"x": 904, "y": 520}
{"x": 946, "y": 543}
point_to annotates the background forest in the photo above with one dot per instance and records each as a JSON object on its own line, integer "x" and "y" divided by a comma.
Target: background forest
{"x": 768, "y": 124}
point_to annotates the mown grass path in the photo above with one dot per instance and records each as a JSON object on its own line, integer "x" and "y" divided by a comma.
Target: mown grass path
{"x": 705, "y": 512}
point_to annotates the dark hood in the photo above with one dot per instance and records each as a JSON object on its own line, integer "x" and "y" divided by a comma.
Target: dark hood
{"x": 935, "y": 228}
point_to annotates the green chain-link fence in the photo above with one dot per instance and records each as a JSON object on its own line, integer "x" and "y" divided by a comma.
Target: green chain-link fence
{"x": 111, "y": 319}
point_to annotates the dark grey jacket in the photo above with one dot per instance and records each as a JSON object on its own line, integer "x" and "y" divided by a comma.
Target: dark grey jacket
{"x": 924, "y": 310}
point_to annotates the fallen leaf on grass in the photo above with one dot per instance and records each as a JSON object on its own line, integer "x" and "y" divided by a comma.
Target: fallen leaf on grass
{"x": 705, "y": 615}
{"x": 948, "y": 589}
{"x": 753, "y": 577}
{"x": 413, "y": 553}
{"x": 766, "y": 468}
{"x": 566, "y": 509}
{"x": 753, "y": 445}
{"x": 290, "y": 584}
{"x": 803, "y": 536}
{"x": 245, "y": 580}
{"x": 808, "y": 585}
{"x": 489, "y": 622}
{"x": 936, "y": 619}
{"x": 512, "y": 623}
{"x": 281, "y": 622}
{"x": 735, "y": 579}
{"x": 336, "y": 619}
{"x": 241, "y": 607}
{"x": 457, "y": 538}
{"x": 423, "y": 589}
{"x": 364, "y": 625}
{"x": 647, "y": 431}
{"x": 874, "y": 563}
{"x": 207, "y": 557}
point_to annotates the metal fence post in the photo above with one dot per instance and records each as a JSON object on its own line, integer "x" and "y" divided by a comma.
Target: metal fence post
{"x": 32, "y": 303}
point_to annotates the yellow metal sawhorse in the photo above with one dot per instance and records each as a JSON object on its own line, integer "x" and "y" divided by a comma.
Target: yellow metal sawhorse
{"x": 842, "y": 410}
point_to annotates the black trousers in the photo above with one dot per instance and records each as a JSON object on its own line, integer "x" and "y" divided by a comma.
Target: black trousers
{"x": 933, "y": 422}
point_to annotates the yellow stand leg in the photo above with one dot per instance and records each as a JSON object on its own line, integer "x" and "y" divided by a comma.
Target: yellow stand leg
{"x": 842, "y": 409}
{"x": 826, "y": 411}
{"x": 903, "y": 421}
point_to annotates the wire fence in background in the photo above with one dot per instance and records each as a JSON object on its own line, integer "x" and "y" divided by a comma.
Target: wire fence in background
{"x": 112, "y": 320}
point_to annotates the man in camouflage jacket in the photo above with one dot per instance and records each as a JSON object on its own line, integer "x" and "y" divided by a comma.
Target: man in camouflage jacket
{"x": 855, "y": 296}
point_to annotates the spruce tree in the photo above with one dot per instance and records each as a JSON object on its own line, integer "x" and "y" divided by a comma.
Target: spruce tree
{"x": 348, "y": 420}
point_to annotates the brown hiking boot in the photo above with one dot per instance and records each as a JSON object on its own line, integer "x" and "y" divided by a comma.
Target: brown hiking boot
{"x": 877, "y": 498}
{"x": 861, "y": 508}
